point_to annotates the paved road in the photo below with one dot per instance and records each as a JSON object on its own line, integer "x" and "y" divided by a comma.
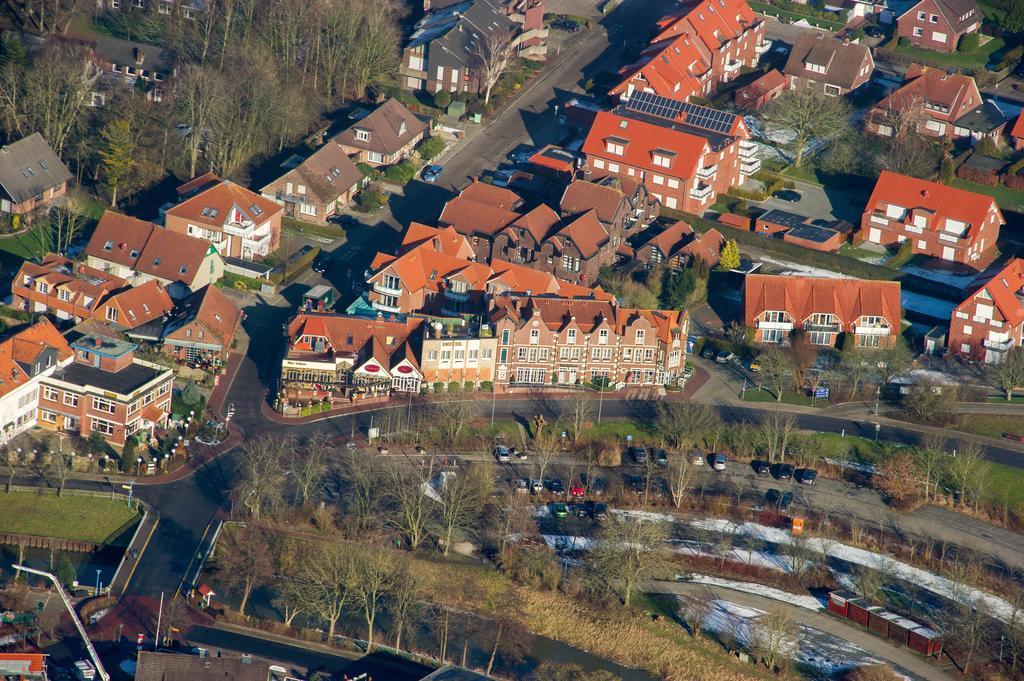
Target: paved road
{"x": 902, "y": 659}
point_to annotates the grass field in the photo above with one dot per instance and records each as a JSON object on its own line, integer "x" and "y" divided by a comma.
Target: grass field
{"x": 971, "y": 60}
{"x": 1006, "y": 484}
{"x": 91, "y": 519}
{"x": 991, "y": 425}
{"x": 325, "y": 231}
{"x": 1006, "y": 198}
{"x": 765, "y": 395}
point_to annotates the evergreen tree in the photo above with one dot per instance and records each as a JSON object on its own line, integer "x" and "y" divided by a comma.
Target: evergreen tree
{"x": 64, "y": 571}
{"x": 117, "y": 155}
{"x": 946, "y": 172}
{"x": 730, "y": 258}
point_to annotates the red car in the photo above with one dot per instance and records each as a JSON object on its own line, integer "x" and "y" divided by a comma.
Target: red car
{"x": 1013, "y": 436}
{"x": 576, "y": 491}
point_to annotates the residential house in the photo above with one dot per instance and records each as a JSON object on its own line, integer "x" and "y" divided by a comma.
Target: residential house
{"x": 23, "y": 666}
{"x": 189, "y": 10}
{"x": 572, "y": 243}
{"x": 384, "y": 137}
{"x": 336, "y": 358}
{"x": 457, "y": 352}
{"x": 319, "y": 187}
{"x": 939, "y": 24}
{"x": 60, "y": 287}
{"x": 930, "y": 102}
{"x": 697, "y": 50}
{"x": 820, "y": 62}
{"x": 684, "y": 154}
{"x": 761, "y": 92}
{"x": 239, "y": 222}
{"x": 678, "y": 246}
{"x": 25, "y": 359}
{"x": 443, "y": 52}
{"x": 31, "y": 175}
{"x": 547, "y": 340}
{"x": 435, "y": 273}
{"x": 990, "y": 320}
{"x": 133, "y": 307}
{"x": 953, "y": 224}
{"x": 823, "y": 309}
{"x": 139, "y": 251}
{"x": 986, "y": 120}
{"x": 202, "y": 328}
{"x": 150, "y": 68}
{"x": 106, "y": 390}
{"x": 1017, "y": 134}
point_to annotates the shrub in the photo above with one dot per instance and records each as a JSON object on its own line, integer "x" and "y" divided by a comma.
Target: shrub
{"x": 430, "y": 148}
{"x": 371, "y": 199}
{"x": 366, "y": 169}
{"x": 969, "y": 43}
{"x": 401, "y": 173}
{"x": 904, "y": 41}
{"x": 438, "y": 387}
{"x": 947, "y": 171}
{"x": 468, "y": 385}
{"x": 977, "y": 175}
{"x": 486, "y": 386}
{"x": 442, "y": 98}
{"x": 454, "y": 387}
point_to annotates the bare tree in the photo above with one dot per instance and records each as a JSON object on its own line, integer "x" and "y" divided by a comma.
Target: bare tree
{"x": 244, "y": 562}
{"x": 769, "y": 635}
{"x": 60, "y": 469}
{"x": 462, "y": 496}
{"x": 328, "y": 573}
{"x": 776, "y": 430}
{"x": 697, "y": 610}
{"x": 8, "y": 459}
{"x": 808, "y": 114}
{"x": 776, "y": 372}
{"x": 66, "y": 222}
{"x": 684, "y": 423}
{"x": 365, "y": 489}
{"x": 1008, "y": 374}
{"x": 372, "y": 578}
{"x": 196, "y": 99}
{"x": 545, "y": 448}
{"x": 493, "y": 53}
{"x": 293, "y": 598}
{"x": 451, "y": 413}
{"x": 902, "y": 113}
{"x": 261, "y": 476}
{"x": 627, "y": 553}
{"x": 579, "y": 409}
{"x": 404, "y": 605}
{"x": 967, "y": 471}
{"x": 308, "y": 464}
{"x": 680, "y": 478}
{"x": 413, "y": 509}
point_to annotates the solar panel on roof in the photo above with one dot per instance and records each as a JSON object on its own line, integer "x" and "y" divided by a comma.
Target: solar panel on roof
{"x": 655, "y": 105}
{"x": 696, "y": 115}
{"x": 710, "y": 119}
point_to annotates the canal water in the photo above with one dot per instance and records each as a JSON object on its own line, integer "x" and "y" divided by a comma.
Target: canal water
{"x": 89, "y": 567}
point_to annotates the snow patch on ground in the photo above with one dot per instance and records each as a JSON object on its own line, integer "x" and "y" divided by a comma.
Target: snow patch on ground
{"x": 926, "y": 305}
{"x": 791, "y": 268}
{"x": 937, "y": 584}
{"x": 807, "y": 602}
{"x": 644, "y": 515}
{"x": 960, "y": 281}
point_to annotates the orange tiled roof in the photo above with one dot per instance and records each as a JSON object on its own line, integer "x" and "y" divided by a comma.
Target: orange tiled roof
{"x": 926, "y": 85}
{"x": 20, "y": 351}
{"x": 86, "y": 285}
{"x": 588, "y": 314}
{"x": 1018, "y": 127}
{"x": 800, "y": 297}
{"x": 1003, "y": 289}
{"x": 641, "y": 139}
{"x": 220, "y": 202}
{"x": 138, "y": 305}
{"x": 356, "y": 337}
{"x": 942, "y": 201}
{"x": 586, "y": 232}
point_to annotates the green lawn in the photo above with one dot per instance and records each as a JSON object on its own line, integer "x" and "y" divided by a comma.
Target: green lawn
{"x": 1016, "y": 399}
{"x": 972, "y": 60}
{"x": 1007, "y": 198}
{"x": 30, "y": 245}
{"x": 992, "y": 425}
{"x": 1006, "y": 480}
{"x": 92, "y": 519}
{"x": 765, "y": 395}
{"x": 326, "y": 231}
{"x": 790, "y": 17}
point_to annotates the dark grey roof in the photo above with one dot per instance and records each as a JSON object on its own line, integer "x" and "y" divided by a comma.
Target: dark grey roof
{"x": 716, "y": 140}
{"x": 452, "y": 32}
{"x": 952, "y": 10}
{"x": 986, "y": 163}
{"x": 984, "y": 118}
{"x": 123, "y": 382}
{"x": 172, "y": 667}
{"x": 128, "y": 52}
{"x": 783, "y": 217}
{"x": 842, "y": 60}
{"x": 29, "y": 167}
{"x": 813, "y": 233}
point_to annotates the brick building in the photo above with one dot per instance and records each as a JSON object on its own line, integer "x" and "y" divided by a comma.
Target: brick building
{"x": 544, "y": 341}
{"x": 825, "y": 309}
{"x": 684, "y": 154}
{"x": 953, "y": 224}
{"x": 930, "y": 102}
{"x": 939, "y": 24}
{"x": 991, "y": 320}
{"x": 31, "y": 175}
{"x": 679, "y": 246}
{"x": 60, "y": 287}
{"x": 836, "y": 67}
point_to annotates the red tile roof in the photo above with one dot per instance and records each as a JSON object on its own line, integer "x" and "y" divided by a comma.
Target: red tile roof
{"x": 587, "y": 314}
{"x": 926, "y": 85}
{"x": 1003, "y": 289}
{"x": 1018, "y": 127}
{"x": 21, "y": 350}
{"x": 483, "y": 192}
{"x": 944, "y": 202}
{"x": 538, "y": 222}
{"x": 770, "y": 82}
{"x": 471, "y": 216}
{"x": 137, "y": 305}
{"x": 713, "y": 21}
{"x": 586, "y": 232}
{"x": 641, "y": 140}
{"x": 391, "y": 127}
{"x": 356, "y": 337}
{"x": 800, "y": 297}
{"x": 87, "y": 285}
{"x": 605, "y": 197}
{"x": 672, "y": 68}
{"x": 219, "y": 204}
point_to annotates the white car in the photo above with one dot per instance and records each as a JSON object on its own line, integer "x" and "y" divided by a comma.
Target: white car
{"x": 501, "y": 453}
{"x": 536, "y": 486}
{"x": 696, "y": 458}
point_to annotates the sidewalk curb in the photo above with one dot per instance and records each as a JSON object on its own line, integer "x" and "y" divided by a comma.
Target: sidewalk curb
{"x": 142, "y": 551}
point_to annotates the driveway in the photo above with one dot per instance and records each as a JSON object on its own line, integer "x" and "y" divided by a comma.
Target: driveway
{"x": 820, "y": 202}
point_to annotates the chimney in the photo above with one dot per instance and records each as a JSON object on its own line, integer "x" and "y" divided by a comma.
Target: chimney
{"x": 925, "y": 193}
{"x": 846, "y": 41}
{"x": 97, "y": 341}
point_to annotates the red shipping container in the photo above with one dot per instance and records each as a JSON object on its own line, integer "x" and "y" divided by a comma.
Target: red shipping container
{"x": 858, "y": 611}
{"x": 926, "y": 641}
{"x": 838, "y": 602}
{"x": 878, "y": 620}
{"x": 899, "y": 629}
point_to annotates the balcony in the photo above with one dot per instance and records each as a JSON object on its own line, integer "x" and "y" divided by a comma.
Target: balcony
{"x": 770, "y": 326}
{"x": 707, "y": 173}
{"x": 872, "y": 330}
{"x": 748, "y": 149}
{"x": 385, "y": 289}
{"x": 733, "y": 66}
{"x": 823, "y": 328}
{"x": 236, "y": 229}
{"x": 452, "y": 294}
{"x": 879, "y": 219}
{"x": 751, "y": 166}
{"x": 382, "y": 307}
{"x": 951, "y": 238}
{"x": 701, "y": 191}
{"x": 763, "y": 47}
{"x": 998, "y": 346}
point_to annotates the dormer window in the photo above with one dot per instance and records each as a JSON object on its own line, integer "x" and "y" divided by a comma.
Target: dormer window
{"x": 135, "y": 253}
{"x": 156, "y": 262}
{"x": 183, "y": 269}
{"x": 662, "y": 159}
{"x": 362, "y": 135}
{"x": 615, "y": 145}
{"x": 602, "y": 337}
{"x": 401, "y": 128}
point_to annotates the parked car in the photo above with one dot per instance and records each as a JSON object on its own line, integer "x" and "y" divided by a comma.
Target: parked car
{"x": 1014, "y": 436}
{"x": 783, "y": 471}
{"x": 522, "y": 486}
{"x": 559, "y": 510}
{"x": 718, "y": 461}
{"x": 501, "y": 178}
{"x": 753, "y": 365}
{"x": 874, "y": 31}
{"x": 323, "y": 262}
{"x": 556, "y": 487}
{"x": 761, "y": 467}
{"x": 519, "y": 454}
{"x": 566, "y": 25}
{"x": 598, "y": 487}
{"x": 787, "y": 195}
{"x": 536, "y": 486}
{"x": 638, "y": 454}
{"x": 780, "y": 500}
{"x": 502, "y": 454}
{"x": 696, "y": 458}
{"x": 576, "y": 490}
{"x": 432, "y": 173}
{"x": 661, "y": 456}
{"x": 708, "y": 352}
{"x": 345, "y": 220}
{"x": 806, "y": 476}
{"x": 580, "y": 510}
{"x": 599, "y": 510}
{"x": 724, "y": 357}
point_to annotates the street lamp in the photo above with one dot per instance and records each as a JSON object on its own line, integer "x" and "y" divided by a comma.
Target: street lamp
{"x": 878, "y": 394}
{"x": 138, "y": 462}
{"x": 97, "y": 582}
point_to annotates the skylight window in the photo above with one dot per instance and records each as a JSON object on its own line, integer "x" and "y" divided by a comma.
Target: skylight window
{"x": 183, "y": 269}
{"x": 156, "y": 262}
{"x": 135, "y": 253}
{"x": 256, "y": 210}
{"x": 108, "y": 246}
